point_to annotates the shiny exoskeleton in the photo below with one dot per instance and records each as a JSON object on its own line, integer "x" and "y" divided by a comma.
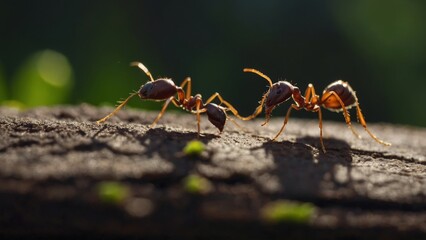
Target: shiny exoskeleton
{"x": 338, "y": 96}
{"x": 164, "y": 89}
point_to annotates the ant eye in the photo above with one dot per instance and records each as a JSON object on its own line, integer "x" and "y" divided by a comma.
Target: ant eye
{"x": 278, "y": 91}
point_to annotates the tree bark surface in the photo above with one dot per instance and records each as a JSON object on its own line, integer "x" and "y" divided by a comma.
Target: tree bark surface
{"x": 53, "y": 159}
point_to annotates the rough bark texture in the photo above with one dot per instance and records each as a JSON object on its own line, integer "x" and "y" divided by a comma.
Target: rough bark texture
{"x": 52, "y": 160}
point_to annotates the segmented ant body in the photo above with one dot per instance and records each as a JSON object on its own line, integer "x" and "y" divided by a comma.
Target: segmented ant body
{"x": 164, "y": 89}
{"x": 338, "y": 96}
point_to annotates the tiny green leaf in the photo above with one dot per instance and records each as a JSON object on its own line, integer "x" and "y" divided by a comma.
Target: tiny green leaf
{"x": 196, "y": 184}
{"x": 287, "y": 211}
{"x": 112, "y": 192}
{"x": 194, "y": 148}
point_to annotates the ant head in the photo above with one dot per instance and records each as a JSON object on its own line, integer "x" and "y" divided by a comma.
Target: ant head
{"x": 159, "y": 89}
{"x": 216, "y": 115}
{"x": 146, "y": 90}
{"x": 279, "y": 92}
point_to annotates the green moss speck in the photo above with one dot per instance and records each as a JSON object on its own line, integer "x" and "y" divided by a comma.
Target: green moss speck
{"x": 288, "y": 211}
{"x": 196, "y": 184}
{"x": 112, "y": 192}
{"x": 194, "y": 148}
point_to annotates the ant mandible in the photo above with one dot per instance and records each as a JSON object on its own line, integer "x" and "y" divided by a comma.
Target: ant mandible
{"x": 338, "y": 96}
{"x": 164, "y": 89}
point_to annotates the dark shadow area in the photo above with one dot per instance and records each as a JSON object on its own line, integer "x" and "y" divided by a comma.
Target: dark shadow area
{"x": 169, "y": 144}
{"x": 158, "y": 143}
{"x": 305, "y": 172}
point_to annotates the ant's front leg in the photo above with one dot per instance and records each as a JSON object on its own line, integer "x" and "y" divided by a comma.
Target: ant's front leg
{"x": 293, "y": 106}
{"x": 311, "y": 99}
{"x": 163, "y": 109}
{"x": 116, "y": 109}
{"x": 310, "y": 94}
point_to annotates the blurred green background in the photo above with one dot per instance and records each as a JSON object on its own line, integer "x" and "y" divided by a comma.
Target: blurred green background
{"x": 68, "y": 52}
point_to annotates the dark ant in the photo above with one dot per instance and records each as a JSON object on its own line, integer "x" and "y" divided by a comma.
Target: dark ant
{"x": 165, "y": 89}
{"x": 338, "y": 96}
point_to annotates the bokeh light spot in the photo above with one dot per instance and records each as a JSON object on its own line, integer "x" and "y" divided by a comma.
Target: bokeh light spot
{"x": 54, "y": 68}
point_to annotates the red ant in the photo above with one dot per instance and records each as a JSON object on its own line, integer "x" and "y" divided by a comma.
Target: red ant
{"x": 165, "y": 89}
{"x": 338, "y": 96}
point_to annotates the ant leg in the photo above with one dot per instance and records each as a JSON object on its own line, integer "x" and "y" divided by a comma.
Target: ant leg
{"x": 310, "y": 95}
{"x": 286, "y": 119}
{"x": 222, "y": 101}
{"x": 176, "y": 103}
{"x": 234, "y": 110}
{"x": 163, "y": 109}
{"x": 364, "y": 124}
{"x": 117, "y": 109}
{"x": 310, "y": 91}
{"x": 197, "y": 107}
{"x": 187, "y": 82}
{"x": 312, "y": 98}
{"x": 345, "y": 111}
{"x": 143, "y": 68}
{"x": 320, "y": 127}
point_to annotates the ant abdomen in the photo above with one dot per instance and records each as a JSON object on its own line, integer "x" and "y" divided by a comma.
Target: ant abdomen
{"x": 216, "y": 115}
{"x": 344, "y": 91}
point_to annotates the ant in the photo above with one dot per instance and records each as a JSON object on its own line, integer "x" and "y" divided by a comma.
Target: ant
{"x": 164, "y": 89}
{"x": 338, "y": 96}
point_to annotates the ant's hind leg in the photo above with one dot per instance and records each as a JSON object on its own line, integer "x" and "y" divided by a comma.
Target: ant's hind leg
{"x": 222, "y": 101}
{"x": 236, "y": 124}
{"x": 364, "y": 124}
{"x": 345, "y": 111}
{"x": 163, "y": 109}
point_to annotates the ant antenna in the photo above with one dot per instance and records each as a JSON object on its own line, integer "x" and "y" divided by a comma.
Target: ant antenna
{"x": 143, "y": 68}
{"x": 258, "y": 73}
{"x": 117, "y": 109}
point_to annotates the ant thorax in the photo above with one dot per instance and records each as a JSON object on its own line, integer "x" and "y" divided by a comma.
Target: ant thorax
{"x": 298, "y": 98}
{"x": 190, "y": 104}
